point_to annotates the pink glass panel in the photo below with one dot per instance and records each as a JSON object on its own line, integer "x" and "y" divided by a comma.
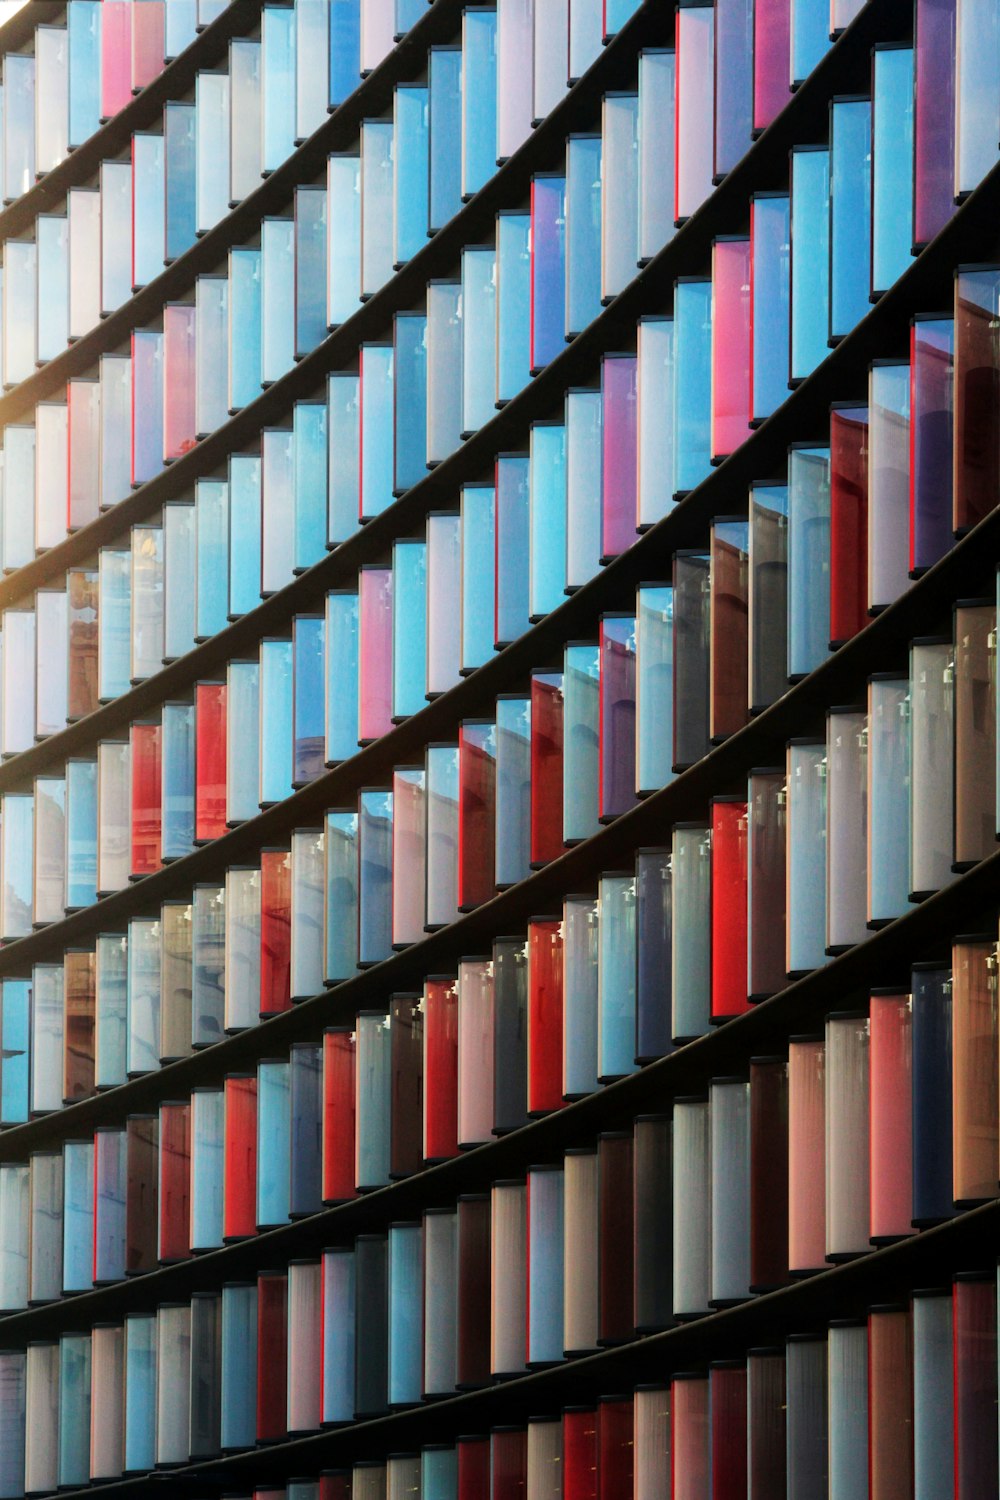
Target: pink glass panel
{"x": 619, "y": 490}
{"x": 375, "y": 653}
{"x": 408, "y": 823}
{"x": 771, "y": 50}
{"x": 179, "y": 426}
{"x": 116, "y": 56}
{"x": 147, "y": 42}
{"x": 694, "y": 109}
{"x": 730, "y": 345}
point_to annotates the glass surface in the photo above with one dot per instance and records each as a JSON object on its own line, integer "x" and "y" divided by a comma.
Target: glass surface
{"x": 142, "y": 1015}
{"x": 691, "y": 647}
{"x": 514, "y": 75}
{"x": 805, "y": 858}
{"x": 52, "y": 654}
{"x": 479, "y": 98}
{"x": 411, "y": 182}
{"x": 208, "y": 964}
{"x": 619, "y": 468}
{"x": 307, "y": 718}
{"x": 934, "y": 41}
{"x": 657, "y": 112}
{"x": 17, "y": 711}
{"x": 849, "y": 491}
{"x": 211, "y": 92}
{"x": 49, "y": 877}
{"x": 177, "y": 835}
{"x": 616, "y": 978}
{"x": 51, "y": 451}
{"x": 344, "y": 429}
{"x": 975, "y": 732}
{"x": 52, "y": 237}
{"x": 277, "y": 299}
{"x": 81, "y": 833}
{"x": 179, "y": 376}
{"x": 147, "y": 405}
{"x": 15, "y": 1037}
{"x": 20, "y": 273}
{"x": 83, "y": 24}
{"x": 212, "y": 556}
{"x": 409, "y": 630}
{"x": 377, "y": 163}
{"x": 277, "y": 537}
{"x": 478, "y": 532}
{"x": 274, "y": 1127}
{"x": 478, "y": 336}
{"x": 245, "y": 118}
{"x": 444, "y": 586}
{"x": 581, "y": 707}
{"x": 83, "y": 489}
{"x": 512, "y": 569}
{"x": 116, "y": 406}
{"x": 409, "y": 390}
{"x": 243, "y": 949}
{"x": 408, "y": 860}
{"x": 584, "y": 471}
{"x": 374, "y": 877}
{"x": 932, "y": 407}
{"x": 277, "y": 85}
{"x": 444, "y": 369}
{"x": 211, "y": 344}
{"x": 513, "y": 788}
{"x": 513, "y": 304}
{"x": 442, "y": 834}
{"x": 617, "y": 715}
{"x": 547, "y": 518}
{"x": 655, "y": 463}
{"x": 276, "y": 697}
{"x": 376, "y": 455}
{"x": 306, "y": 974}
{"x": 375, "y": 612}
{"x": 888, "y": 482}
{"x": 341, "y": 675}
{"x": 18, "y": 124}
{"x": 345, "y": 48}
{"x": 548, "y": 269}
{"x": 113, "y": 769}
{"x": 444, "y": 135}
{"x": 809, "y": 38}
{"x": 583, "y": 231}
{"x": 848, "y": 826}
{"x": 691, "y": 404}
{"x": 808, "y": 559}
{"x": 734, "y": 83}
{"x": 180, "y": 170}
{"x": 892, "y": 164}
{"x": 809, "y": 299}
{"x": 694, "y": 109}
{"x": 619, "y": 193}
{"x": 770, "y": 53}
{"x": 850, "y": 212}
{"x": 245, "y": 326}
{"x": 310, "y": 268}
{"x": 476, "y": 812}
{"x": 239, "y": 553}
{"x": 344, "y": 218}
{"x": 931, "y": 767}
{"x": 148, "y": 207}
{"x": 312, "y": 82}
{"x": 242, "y": 741}
{"x": 732, "y": 325}
{"x": 690, "y": 986}
{"x": 976, "y": 376}
{"x": 654, "y": 669}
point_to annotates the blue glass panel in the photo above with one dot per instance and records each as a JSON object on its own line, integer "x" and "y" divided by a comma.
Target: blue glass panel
{"x": 850, "y": 212}
{"x": 376, "y": 429}
{"x": 212, "y": 149}
{"x": 479, "y": 99}
{"x": 15, "y": 1034}
{"x": 149, "y": 200}
{"x": 246, "y": 125}
{"x": 581, "y": 736}
{"x": 277, "y": 468}
{"x": 806, "y": 858}
{"x": 692, "y": 383}
{"x": 439, "y": 1472}
{"x": 406, "y": 1320}
{"x": 140, "y": 1393}
{"x": 586, "y": 33}
{"x": 178, "y": 780}
{"x": 211, "y": 346}
{"x": 20, "y": 272}
{"x": 83, "y": 21}
{"x": 584, "y": 450}
{"x": 810, "y": 260}
{"x": 306, "y": 1066}
{"x": 274, "y": 1128}
{"x": 180, "y": 26}
{"x": 411, "y": 182}
{"x": 657, "y": 73}
{"x": 583, "y": 231}
{"x": 245, "y": 326}
{"x": 444, "y": 369}
{"x": 338, "y": 1335}
{"x": 374, "y": 1099}
{"x": 512, "y": 510}
{"x": 889, "y": 881}
{"x": 479, "y": 326}
{"x": 239, "y": 1365}
{"x": 242, "y": 741}
{"x": 513, "y": 303}
{"x": 312, "y": 73}
{"x": 343, "y": 279}
{"x": 212, "y": 564}
{"x": 691, "y": 949}
{"x": 116, "y": 234}
{"x": 580, "y": 942}
{"x": 179, "y": 564}
{"x": 244, "y": 534}
{"x": 181, "y": 168}
{"x": 310, "y": 269}
{"x": 376, "y": 205}
{"x": 548, "y": 269}
{"x": 809, "y": 39}
{"x": 478, "y": 553}
{"x": 620, "y": 198}
{"x": 442, "y": 834}
{"x": 18, "y": 124}
{"x": 208, "y": 1115}
{"x": 344, "y": 412}
{"x": 308, "y": 756}
{"x": 616, "y": 957}
{"x": 81, "y": 833}
{"x": 311, "y": 467}
{"x": 545, "y": 1267}
{"x": 374, "y": 877}
{"x": 277, "y": 298}
{"x": 114, "y": 622}
{"x": 513, "y": 789}
{"x": 769, "y": 313}
{"x": 111, "y": 1007}
{"x": 278, "y": 42}
{"x": 345, "y": 48}
{"x": 408, "y": 13}
{"x": 808, "y": 559}
{"x": 977, "y": 92}
{"x": 275, "y": 721}
{"x": 341, "y": 676}
{"x": 892, "y": 163}
{"x": 410, "y": 394}
{"x": 78, "y": 1223}
{"x": 109, "y": 1204}
{"x": 52, "y": 235}
{"x": 409, "y": 630}
{"x": 142, "y": 1009}
{"x": 616, "y": 13}
{"x": 208, "y": 945}
{"x": 341, "y": 895}
{"x": 147, "y": 404}
{"x": 654, "y": 632}
{"x": 445, "y": 88}
{"x": 547, "y": 546}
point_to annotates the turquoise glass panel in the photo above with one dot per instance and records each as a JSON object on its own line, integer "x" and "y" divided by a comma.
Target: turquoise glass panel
{"x": 244, "y": 534}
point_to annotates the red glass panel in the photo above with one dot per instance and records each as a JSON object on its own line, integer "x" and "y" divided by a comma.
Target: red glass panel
{"x": 771, "y": 51}
{"x": 616, "y": 708}
{"x": 473, "y": 1468}
{"x": 615, "y": 1446}
{"x": 848, "y": 522}
{"x": 338, "y": 1114}
{"x": 546, "y": 766}
{"x": 619, "y": 473}
{"x": 179, "y": 425}
{"x": 891, "y": 1130}
{"x": 145, "y": 793}
{"x": 335, "y": 1484}
{"x": 768, "y": 1174}
{"x": 616, "y": 1319}
{"x": 931, "y": 440}
{"x": 727, "y": 1404}
{"x": 116, "y": 56}
{"x": 933, "y": 117}
{"x": 272, "y": 1356}
{"x": 275, "y": 931}
{"x": 508, "y": 1463}
{"x": 78, "y": 1030}
{"x": 175, "y": 1182}
{"x": 375, "y": 653}
{"x": 975, "y": 1306}
{"x": 82, "y": 606}
{"x": 730, "y": 345}
{"x": 977, "y": 397}
{"x": 408, "y": 855}
{"x": 545, "y": 1015}
{"x": 440, "y": 1068}
{"x": 83, "y": 397}
{"x": 477, "y": 774}
{"x": 147, "y": 42}
{"x": 239, "y": 1212}
{"x": 729, "y": 908}
{"x": 580, "y": 1453}
{"x": 210, "y": 761}
{"x": 140, "y": 1194}
{"x": 473, "y": 1291}
{"x": 728, "y": 636}
{"x": 890, "y": 1405}
{"x": 689, "y": 1437}
{"x": 406, "y": 1067}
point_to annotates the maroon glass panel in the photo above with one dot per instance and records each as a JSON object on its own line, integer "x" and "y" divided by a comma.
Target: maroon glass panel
{"x": 272, "y": 1356}
{"x": 931, "y": 419}
{"x": 615, "y": 1448}
{"x": 82, "y": 605}
{"x": 239, "y": 1210}
{"x": 440, "y": 1068}
{"x": 83, "y": 397}
{"x": 692, "y": 657}
{"x": 728, "y": 633}
{"x": 375, "y": 653}
{"x": 727, "y": 1404}
{"x": 933, "y": 117}
{"x": 730, "y": 345}
{"x": 174, "y": 1182}
{"x": 766, "y": 898}
{"x": 771, "y": 52}
{"x": 508, "y": 1463}
{"x": 977, "y": 396}
{"x": 275, "y": 931}
{"x": 975, "y": 732}
{"x": 473, "y": 1291}
{"x": 619, "y": 464}
{"x": 890, "y": 1060}
{"x": 975, "y": 1310}
{"x": 689, "y": 1436}
{"x": 338, "y": 1114}
{"x": 890, "y": 1404}
{"x": 140, "y": 1194}
{"x": 335, "y": 1484}
{"x": 145, "y": 793}
{"x": 546, "y": 766}
{"x": 473, "y": 1468}
{"x": 579, "y": 1453}
{"x": 545, "y": 1015}
{"x": 406, "y": 1067}
{"x": 477, "y": 777}
{"x": 147, "y": 42}
{"x": 179, "y": 425}
{"x": 766, "y": 1469}
{"x": 616, "y": 739}
{"x": 848, "y": 522}
{"x": 729, "y": 908}
{"x": 210, "y": 761}
{"x": 768, "y": 1173}
{"x": 116, "y": 56}
{"x": 78, "y": 1030}
{"x": 616, "y": 1250}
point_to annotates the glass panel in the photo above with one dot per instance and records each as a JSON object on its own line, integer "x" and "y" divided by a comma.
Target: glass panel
{"x": 850, "y": 213}
{"x": 308, "y": 741}
{"x": 83, "y": 23}
{"x": 583, "y": 231}
{"x": 277, "y": 298}
{"x": 889, "y": 881}
{"x": 310, "y": 268}
{"x": 410, "y": 399}
{"x": 550, "y": 60}
{"x": 179, "y": 380}
{"x": 309, "y": 447}
{"x": 932, "y": 407}
{"x": 376, "y": 205}
{"x": 657, "y": 111}
{"x": 934, "y": 43}
{"x": 770, "y": 53}
{"x": 142, "y": 1048}
{"x": 113, "y": 813}
{"x": 617, "y": 715}
{"x": 180, "y": 173}
{"x": 547, "y": 548}
{"x": 769, "y": 304}
{"x": 242, "y": 955}
{"x": 444, "y": 583}
{"x": 242, "y": 741}
{"x": 513, "y": 789}
{"x": 147, "y": 42}
{"x": 48, "y": 886}
{"x": 344, "y": 479}
{"x": 848, "y": 521}
{"x": 805, "y": 859}
{"x": 342, "y": 676}
{"x": 479, "y": 99}
{"x": 116, "y": 429}
{"x": 277, "y": 85}
{"x": 211, "y": 345}
{"x": 275, "y": 721}
{"x": 888, "y": 482}
{"x": 514, "y": 75}
{"x": 442, "y": 835}
{"x": 478, "y": 532}
{"x": 208, "y": 941}
{"x": 19, "y": 300}
{"x": 695, "y": 108}
{"x": 211, "y": 92}
{"x": 148, "y": 207}
{"x": 210, "y": 760}
{"x": 513, "y": 507}
{"x": 345, "y": 48}
{"x": 147, "y": 404}
{"x": 767, "y": 626}
{"x": 277, "y": 467}
{"x": 810, "y": 38}
{"x": 81, "y": 833}
{"x": 513, "y": 304}
{"x": 17, "y": 709}
{"x": 976, "y": 377}
{"x": 376, "y": 454}
{"x": 810, "y": 260}
{"x": 692, "y": 386}
{"x": 411, "y": 181}
{"x": 892, "y": 163}
{"x": 245, "y": 119}
{"x": 445, "y": 135}
{"x": 84, "y": 399}
{"x": 808, "y": 559}
{"x": 52, "y": 235}
{"x": 581, "y": 730}
{"x": 82, "y": 597}
{"x": 343, "y": 280}
{"x": 246, "y": 299}
{"x": 177, "y": 837}
{"x": 584, "y": 468}
{"x": 478, "y": 337}
{"x": 18, "y": 124}
{"x": 409, "y": 641}
{"x": 51, "y": 462}
{"x": 444, "y": 369}
{"x": 116, "y": 234}
{"x": 147, "y": 602}
{"x": 374, "y": 877}
{"x": 548, "y": 269}
{"x": 731, "y": 341}
{"x": 619, "y": 192}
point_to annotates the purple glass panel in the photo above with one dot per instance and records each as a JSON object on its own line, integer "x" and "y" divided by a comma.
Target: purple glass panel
{"x": 619, "y": 499}
{"x": 933, "y": 117}
{"x": 617, "y": 716}
{"x": 771, "y": 45}
{"x": 548, "y": 269}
